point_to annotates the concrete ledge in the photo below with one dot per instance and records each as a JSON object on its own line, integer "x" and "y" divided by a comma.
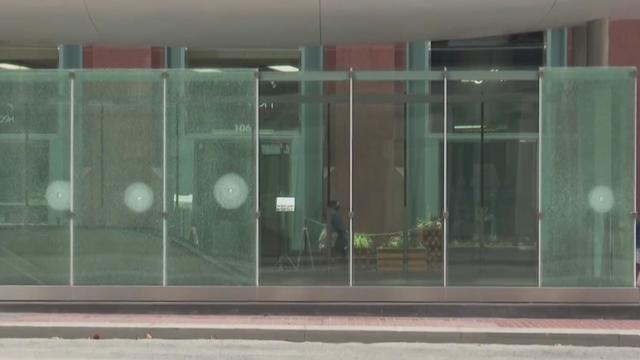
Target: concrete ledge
{"x": 330, "y": 335}
{"x": 579, "y": 311}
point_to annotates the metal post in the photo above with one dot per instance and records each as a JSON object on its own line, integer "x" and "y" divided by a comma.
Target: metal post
{"x": 164, "y": 178}
{"x": 635, "y": 178}
{"x": 72, "y": 79}
{"x": 445, "y": 215}
{"x": 351, "y": 177}
{"x": 257, "y": 178}
{"x": 540, "y": 119}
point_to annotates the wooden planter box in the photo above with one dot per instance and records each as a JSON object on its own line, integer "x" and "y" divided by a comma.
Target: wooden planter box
{"x": 364, "y": 259}
{"x": 392, "y": 260}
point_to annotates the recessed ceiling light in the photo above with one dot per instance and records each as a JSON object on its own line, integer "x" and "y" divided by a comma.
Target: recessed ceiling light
{"x": 7, "y": 66}
{"x": 207, "y": 70}
{"x": 467, "y": 127}
{"x": 284, "y": 68}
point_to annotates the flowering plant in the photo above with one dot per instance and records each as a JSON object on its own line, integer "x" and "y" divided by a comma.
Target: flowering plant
{"x": 432, "y": 235}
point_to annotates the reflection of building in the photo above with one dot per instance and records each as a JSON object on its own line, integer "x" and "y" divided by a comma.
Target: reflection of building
{"x": 393, "y": 167}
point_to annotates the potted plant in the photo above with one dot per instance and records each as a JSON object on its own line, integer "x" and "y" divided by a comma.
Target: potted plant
{"x": 431, "y": 234}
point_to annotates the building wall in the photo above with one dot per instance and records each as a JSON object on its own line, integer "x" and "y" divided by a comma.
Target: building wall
{"x": 96, "y": 57}
{"x": 378, "y": 140}
{"x": 624, "y": 50}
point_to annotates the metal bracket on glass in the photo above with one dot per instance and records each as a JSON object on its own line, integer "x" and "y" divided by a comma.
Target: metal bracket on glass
{"x": 258, "y": 215}
{"x": 165, "y": 74}
{"x": 351, "y": 215}
{"x": 540, "y": 215}
{"x": 72, "y": 215}
{"x": 164, "y": 215}
{"x": 72, "y": 75}
{"x": 634, "y": 215}
{"x": 445, "y": 215}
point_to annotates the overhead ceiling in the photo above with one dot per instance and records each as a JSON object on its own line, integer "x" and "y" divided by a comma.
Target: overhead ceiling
{"x": 286, "y": 23}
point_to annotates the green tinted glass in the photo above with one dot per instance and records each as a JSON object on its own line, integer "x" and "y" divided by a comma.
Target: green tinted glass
{"x": 118, "y": 178}
{"x": 211, "y": 178}
{"x": 304, "y": 239}
{"x": 398, "y": 182}
{"x": 588, "y": 177}
{"x": 492, "y": 182}
{"x": 34, "y": 178}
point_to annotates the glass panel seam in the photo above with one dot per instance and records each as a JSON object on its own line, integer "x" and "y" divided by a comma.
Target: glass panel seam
{"x": 351, "y": 177}
{"x": 164, "y": 179}
{"x": 540, "y": 108}
{"x": 635, "y": 178}
{"x": 445, "y": 214}
{"x": 71, "y": 176}
{"x": 257, "y": 177}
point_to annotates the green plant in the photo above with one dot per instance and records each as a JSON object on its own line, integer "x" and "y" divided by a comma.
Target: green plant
{"x": 361, "y": 242}
{"x": 395, "y": 242}
{"x": 434, "y": 225}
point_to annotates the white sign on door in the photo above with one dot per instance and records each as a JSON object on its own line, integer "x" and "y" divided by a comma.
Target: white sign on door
{"x": 285, "y": 204}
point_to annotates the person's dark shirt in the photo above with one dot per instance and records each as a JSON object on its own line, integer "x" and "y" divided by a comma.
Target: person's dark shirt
{"x": 338, "y": 226}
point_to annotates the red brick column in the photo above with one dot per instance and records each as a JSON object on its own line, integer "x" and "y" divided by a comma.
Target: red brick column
{"x": 103, "y": 57}
{"x": 624, "y": 45}
{"x": 378, "y": 135}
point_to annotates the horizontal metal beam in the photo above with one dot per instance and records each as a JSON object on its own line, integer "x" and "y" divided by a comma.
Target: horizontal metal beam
{"x": 318, "y": 294}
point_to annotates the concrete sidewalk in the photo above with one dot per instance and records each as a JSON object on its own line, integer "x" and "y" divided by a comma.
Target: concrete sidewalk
{"x": 155, "y": 349}
{"x": 328, "y": 329}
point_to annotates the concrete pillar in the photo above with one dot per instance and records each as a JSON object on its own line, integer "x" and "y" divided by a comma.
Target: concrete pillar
{"x": 598, "y": 45}
{"x": 175, "y": 58}
{"x": 556, "y": 47}
{"x": 579, "y": 42}
{"x": 424, "y": 183}
{"x": 70, "y": 57}
{"x": 308, "y": 149}
{"x": 591, "y": 44}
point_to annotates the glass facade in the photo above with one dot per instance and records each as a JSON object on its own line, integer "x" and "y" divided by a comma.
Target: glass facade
{"x": 304, "y": 167}
{"x": 363, "y": 179}
{"x": 211, "y": 178}
{"x": 588, "y": 168}
{"x": 398, "y": 181}
{"x": 34, "y": 178}
{"x": 492, "y": 182}
{"x": 492, "y": 162}
{"x": 117, "y": 178}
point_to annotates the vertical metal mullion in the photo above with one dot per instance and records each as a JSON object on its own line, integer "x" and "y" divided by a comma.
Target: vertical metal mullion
{"x": 25, "y": 167}
{"x": 540, "y": 128}
{"x": 445, "y": 220}
{"x": 72, "y": 78}
{"x": 257, "y": 176}
{"x": 351, "y": 177}
{"x": 164, "y": 179}
{"x": 635, "y": 178}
